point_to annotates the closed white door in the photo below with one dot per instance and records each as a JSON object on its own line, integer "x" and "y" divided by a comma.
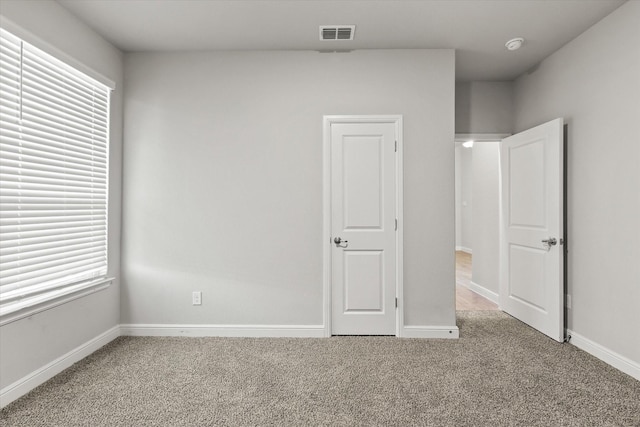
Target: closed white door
{"x": 532, "y": 266}
{"x": 363, "y": 228}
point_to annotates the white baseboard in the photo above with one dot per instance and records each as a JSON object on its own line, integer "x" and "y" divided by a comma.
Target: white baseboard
{"x": 481, "y": 290}
{"x": 430, "y": 332}
{"x": 171, "y": 330}
{"x": 34, "y": 379}
{"x": 464, "y": 249}
{"x": 612, "y": 358}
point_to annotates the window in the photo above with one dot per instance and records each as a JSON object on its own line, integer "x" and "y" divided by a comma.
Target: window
{"x": 54, "y": 123}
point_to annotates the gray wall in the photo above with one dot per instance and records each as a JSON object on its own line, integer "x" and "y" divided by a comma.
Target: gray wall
{"x": 477, "y": 209}
{"x": 594, "y": 83}
{"x": 29, "y": 344}
{"x": 484, "y": 107}
{"x": 486, "y": 219}
{"x": 458, "y": 196}
{"x": 465, "y": 200}
{"x": 223, "y": 180}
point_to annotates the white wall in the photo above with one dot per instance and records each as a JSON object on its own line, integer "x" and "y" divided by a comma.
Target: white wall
{"x": 34, "y": 342}
{"x": 486, "y": 206}
{"x": 223, "y": 180}
{"x": 594, "y": 83}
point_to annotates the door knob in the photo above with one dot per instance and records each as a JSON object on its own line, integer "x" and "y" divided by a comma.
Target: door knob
{"x": 551, "y": 241}
{"x": 338, "y": 240}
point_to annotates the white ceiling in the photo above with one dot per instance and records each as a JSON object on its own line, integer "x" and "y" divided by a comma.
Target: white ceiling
{"x": 477, "y": 29}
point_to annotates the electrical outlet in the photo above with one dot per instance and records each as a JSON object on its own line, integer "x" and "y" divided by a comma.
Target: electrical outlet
{"x": 567, "y": 301}
{"x": 197, "y": 298}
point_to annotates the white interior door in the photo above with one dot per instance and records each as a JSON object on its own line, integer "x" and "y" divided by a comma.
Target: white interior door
{"x": 363, "y": 228}
{"x": 531, "y": 271}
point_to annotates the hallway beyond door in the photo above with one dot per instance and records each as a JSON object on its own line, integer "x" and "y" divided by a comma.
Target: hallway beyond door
{"x": 466, "y": 299}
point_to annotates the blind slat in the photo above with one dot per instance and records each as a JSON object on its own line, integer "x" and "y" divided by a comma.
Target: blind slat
{"x": 46, "y": 162}
{"x": 34, "y": 263}
{"x": 65, "y": 109}
{"x": 62, "y": 75}
{"x": 22, "y": 229}
{"x": 41, "y": 254}
{"x": 29, "y": 186}
{"x": 36, "y": 78}
{"x": 9, "y": 81}
{"x": 35, "y": 243}
{"x": 52, "y": 172}
{"x": 59, "y": 192}
{"x": 15, "y": 130}
{"x": 48, "y": 220}
{"x": 90, "y": 230}
{"x": 36, "y": 126}
{"x": 15, "y": 207}
{"x": 56, "y": 272}
{"x": 27, "y": 180}
{"x": 26, "y": 189}
{"x": 39, "y": 149}
{"x": 39, "y": 119}
{"x": 55, "y": 279}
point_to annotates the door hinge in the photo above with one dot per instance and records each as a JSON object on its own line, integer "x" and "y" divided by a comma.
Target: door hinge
{"x": 396, "y": 224}
{"x": 396, "y": 302}
{"x": 396, "y": 147}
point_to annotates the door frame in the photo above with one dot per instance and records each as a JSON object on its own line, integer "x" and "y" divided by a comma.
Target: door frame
{"x": 328, "y": 120}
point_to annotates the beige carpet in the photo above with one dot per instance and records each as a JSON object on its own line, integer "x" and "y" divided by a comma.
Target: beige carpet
{"x": 499, "y": 373}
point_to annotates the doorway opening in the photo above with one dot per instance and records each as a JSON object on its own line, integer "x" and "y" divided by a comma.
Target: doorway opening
{"x": 477, "y": 197}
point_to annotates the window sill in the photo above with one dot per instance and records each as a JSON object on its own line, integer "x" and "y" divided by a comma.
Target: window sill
{"x": 29, "y": 306}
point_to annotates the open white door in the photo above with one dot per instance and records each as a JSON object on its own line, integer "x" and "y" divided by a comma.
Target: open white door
{"x": 531, "y": 251}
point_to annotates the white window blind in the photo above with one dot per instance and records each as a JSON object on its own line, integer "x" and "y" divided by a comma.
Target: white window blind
{"x": 54, "y": 125}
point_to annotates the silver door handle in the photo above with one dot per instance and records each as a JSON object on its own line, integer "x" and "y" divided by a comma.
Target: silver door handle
{"x": 551, "y": 241}
{"x": 338, "y": 240}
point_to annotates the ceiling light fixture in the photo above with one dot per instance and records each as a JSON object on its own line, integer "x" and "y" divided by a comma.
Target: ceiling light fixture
{"x": 514, "y": 44}
{"x": 468, "y": 144}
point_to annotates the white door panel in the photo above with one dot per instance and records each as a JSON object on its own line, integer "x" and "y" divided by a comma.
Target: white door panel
{"x": 526, "y": 271}
{"x": 363, "y": 215}
{"x": 527, "y": 185}
{"x": 531, "y": 279}
{"x": 362, "y": 176}
{"x": 363, "y": 281}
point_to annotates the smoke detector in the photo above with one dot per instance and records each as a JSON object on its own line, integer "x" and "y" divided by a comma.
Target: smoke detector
{"x": 337, "y": 32}
{"x": 514, "y": 44}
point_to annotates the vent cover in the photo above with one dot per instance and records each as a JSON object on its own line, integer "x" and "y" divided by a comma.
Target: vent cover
{"x": 337, "y": 32}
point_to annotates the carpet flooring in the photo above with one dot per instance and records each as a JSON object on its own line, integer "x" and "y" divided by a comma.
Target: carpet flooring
{"x": 499, "y": 373}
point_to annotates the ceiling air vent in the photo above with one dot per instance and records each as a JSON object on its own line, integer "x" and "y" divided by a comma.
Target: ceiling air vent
{"x": 337, "y": 32}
